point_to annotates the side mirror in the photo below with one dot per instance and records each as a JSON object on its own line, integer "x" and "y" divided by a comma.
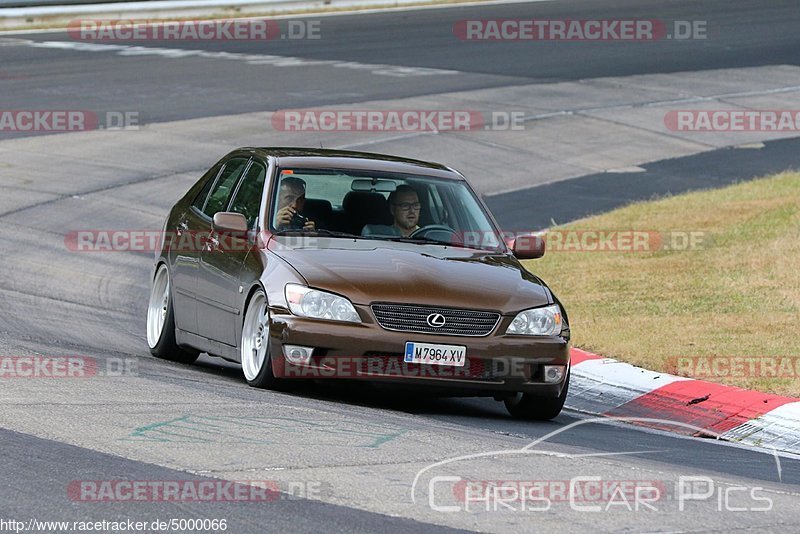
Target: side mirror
{"x": 527, "y": 247}
{"x": 229, "y": 222}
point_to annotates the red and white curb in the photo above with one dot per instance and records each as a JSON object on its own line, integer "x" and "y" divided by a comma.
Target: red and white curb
{"x": 607, "y": 387}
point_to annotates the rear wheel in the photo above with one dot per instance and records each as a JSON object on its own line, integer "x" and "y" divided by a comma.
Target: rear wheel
{"x": 255, "y": 353}
{"x": 161, "y": 322}
{"x": 536, "y": 408}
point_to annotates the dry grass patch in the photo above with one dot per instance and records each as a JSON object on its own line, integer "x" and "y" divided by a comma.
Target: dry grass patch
{"x": 735, "y": 295}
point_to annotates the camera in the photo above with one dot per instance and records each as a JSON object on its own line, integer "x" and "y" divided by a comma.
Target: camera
{"x": 297, "y": 221}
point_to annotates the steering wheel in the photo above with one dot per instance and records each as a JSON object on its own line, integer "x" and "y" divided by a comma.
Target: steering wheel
{"x": 437, "y": 232}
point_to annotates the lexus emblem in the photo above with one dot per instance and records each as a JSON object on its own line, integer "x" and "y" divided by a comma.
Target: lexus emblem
{"x": 436, "y": 320}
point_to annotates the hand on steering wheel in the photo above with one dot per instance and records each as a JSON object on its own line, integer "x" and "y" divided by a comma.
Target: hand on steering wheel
{"x": 426, "y": 232}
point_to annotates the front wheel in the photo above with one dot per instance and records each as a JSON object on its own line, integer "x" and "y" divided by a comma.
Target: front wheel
{"x": 161, "y": 322}
{"x": 255, "y": 354}
{"x": 534, "y": 408}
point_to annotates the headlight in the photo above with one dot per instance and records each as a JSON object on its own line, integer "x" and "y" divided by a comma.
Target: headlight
{"x": 307, "y": 302}
{"x": 537, "y": 322}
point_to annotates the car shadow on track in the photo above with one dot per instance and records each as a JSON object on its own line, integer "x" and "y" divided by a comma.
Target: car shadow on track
{"x": 412, "y": 400}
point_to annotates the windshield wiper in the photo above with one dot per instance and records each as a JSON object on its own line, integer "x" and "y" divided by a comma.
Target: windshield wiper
{"x": 417, "y": 240}
{"x": 317, "y": 231}
{"x": 428, "y": 241}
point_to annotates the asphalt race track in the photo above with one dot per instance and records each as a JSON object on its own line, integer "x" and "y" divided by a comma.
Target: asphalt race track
{"x": 343, "y": 458}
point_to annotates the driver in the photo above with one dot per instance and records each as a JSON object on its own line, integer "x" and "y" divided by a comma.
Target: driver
{"x": 291, "y": 200}
{"x": 404, "y": 205}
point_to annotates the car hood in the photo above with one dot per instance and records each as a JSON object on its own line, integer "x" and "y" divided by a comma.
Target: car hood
{"x": 369, "y": 271}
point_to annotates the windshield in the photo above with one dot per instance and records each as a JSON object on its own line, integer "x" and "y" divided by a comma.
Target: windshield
{"x": 382, "y": 206}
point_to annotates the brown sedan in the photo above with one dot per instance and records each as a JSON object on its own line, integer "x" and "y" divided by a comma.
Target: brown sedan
{"x": 313, "y": 264}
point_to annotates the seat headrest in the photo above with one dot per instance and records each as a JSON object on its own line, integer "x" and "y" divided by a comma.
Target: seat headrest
{"x": 318, "y": 207}
{"x": 368, "y": 207}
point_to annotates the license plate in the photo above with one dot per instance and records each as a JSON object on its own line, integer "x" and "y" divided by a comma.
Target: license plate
{"x": 455, "y": 355}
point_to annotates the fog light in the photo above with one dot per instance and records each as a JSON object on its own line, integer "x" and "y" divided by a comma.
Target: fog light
{"x": 297, "y": 355}
{"x": 553, "y": 374}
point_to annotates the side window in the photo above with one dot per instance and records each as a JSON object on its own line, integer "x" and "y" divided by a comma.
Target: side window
{"x": 223, "y": 189}
{"x": 248, "y": 197}
{"x": 211, "y": 177}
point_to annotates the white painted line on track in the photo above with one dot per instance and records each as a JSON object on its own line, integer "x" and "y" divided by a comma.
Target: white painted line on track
{"x": 250, "y": 59}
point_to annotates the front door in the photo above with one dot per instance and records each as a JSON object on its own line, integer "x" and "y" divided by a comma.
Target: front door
{"x": 221, "y": 263}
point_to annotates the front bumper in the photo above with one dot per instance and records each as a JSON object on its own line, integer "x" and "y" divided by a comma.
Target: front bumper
{"x": 495, "y": 364}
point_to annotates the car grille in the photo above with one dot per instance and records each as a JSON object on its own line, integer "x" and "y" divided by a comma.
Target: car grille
{"x": 405, "y": 318}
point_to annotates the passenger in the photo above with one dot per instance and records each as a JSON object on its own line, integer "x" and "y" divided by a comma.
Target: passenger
{"x": 291, "y": 200}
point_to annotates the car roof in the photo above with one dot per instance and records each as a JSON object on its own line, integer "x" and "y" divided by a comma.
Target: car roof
{"x": 350, "y": 159}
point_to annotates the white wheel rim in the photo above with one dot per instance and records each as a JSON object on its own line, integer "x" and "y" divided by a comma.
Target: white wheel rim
{"x": 255, "y": 336}
{"x": 157, "y": 307}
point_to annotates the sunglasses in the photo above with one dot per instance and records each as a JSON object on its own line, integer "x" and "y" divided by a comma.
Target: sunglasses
{"x": 408, "y": 206}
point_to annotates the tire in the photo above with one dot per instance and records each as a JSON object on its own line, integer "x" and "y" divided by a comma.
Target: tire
{"x": 254, "y": 347}
{"x": 535, "y": 408}
{"x": 161, "y": 321}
